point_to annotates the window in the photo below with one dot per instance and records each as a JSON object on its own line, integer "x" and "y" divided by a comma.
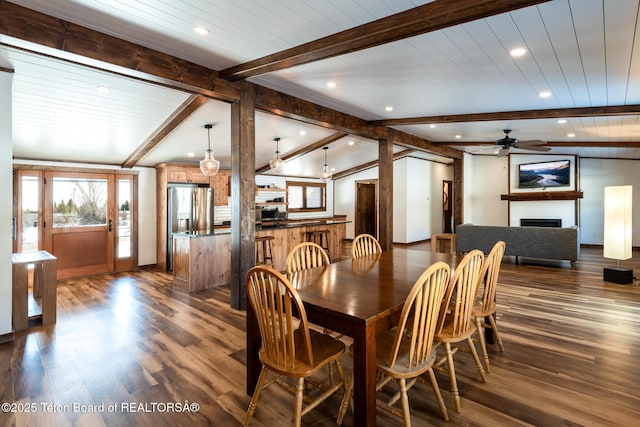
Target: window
{"x": 306, "y": 196}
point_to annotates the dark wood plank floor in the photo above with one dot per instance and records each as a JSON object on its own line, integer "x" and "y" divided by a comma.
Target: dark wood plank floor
{"x": 128, "y": 346}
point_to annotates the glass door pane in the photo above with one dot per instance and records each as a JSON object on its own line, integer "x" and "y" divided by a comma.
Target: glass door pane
{"x": 79, "y": 202}
{"x": 30, "y": 203}
{"x": 124, "y": 219}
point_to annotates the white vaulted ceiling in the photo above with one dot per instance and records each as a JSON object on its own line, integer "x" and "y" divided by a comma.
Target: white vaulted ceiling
{"x": 583, "y": 51}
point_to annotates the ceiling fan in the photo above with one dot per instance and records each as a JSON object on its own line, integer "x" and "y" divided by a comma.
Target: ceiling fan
{"x": 507, "y": 142}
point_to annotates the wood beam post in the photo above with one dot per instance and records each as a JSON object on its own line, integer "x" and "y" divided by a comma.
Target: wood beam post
{"x": 243, "y": 225}
{"x": 385, "y": 182}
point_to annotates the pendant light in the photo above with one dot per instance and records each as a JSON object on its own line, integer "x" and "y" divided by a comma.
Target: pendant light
{"x": 209, "y": 165}
{"x": 326, "y": 174}
{"x": 276, "y": 164}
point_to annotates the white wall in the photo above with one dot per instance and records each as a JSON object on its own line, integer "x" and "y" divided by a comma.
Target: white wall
{"x": 547, "y": 209}
{"x": 147, "y": 216}
{"x": 485, "y": 180}
{"x": 595, "y": 174}
{"x": 401, "y": 187}
{"x": 6, "y": 209}
{"x": 417, "y": 198}
{"x": 344, "y": 196}
{"x": 146, "y": 205}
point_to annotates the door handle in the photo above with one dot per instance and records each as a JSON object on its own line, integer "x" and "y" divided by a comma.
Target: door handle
{"x": 110, "y": 225}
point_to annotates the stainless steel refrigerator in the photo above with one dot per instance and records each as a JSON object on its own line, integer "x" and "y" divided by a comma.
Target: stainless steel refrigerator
{"x": 189, "y": 209}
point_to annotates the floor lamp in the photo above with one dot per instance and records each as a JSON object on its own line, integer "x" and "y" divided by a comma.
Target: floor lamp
{"x": 617, "y": 231}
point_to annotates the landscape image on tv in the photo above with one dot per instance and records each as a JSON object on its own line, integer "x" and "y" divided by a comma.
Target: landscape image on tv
{"x": 544, "y": 174}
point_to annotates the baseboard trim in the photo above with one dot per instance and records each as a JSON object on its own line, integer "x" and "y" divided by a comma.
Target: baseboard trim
{"x": 7, "y": 337}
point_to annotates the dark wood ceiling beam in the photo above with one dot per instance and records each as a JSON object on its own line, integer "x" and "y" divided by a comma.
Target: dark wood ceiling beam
{"x": 369, "y": 165}
{"x": 306, "y": 149}
{"x": 610, "y": 144}
{"x": 432, "y": 16}
{"x": 288, "y": 106}
{"x": 36, "y": 32}
{"x": 180, "y": 115}
{"x": 552, "y": 113}
{"x": 417, "y": 143}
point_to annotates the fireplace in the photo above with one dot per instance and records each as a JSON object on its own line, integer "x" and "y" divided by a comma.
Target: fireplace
{"x": 540, "y": 222}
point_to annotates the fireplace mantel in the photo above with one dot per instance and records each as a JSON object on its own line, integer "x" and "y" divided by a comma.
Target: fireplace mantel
{"x": 543, "y": 195}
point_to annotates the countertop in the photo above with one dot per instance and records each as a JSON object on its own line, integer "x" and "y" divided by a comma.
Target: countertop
{"x": 272, "y": 225}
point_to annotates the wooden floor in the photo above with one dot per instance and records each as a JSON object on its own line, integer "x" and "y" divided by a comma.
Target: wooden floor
{"x": 130, "y": 350}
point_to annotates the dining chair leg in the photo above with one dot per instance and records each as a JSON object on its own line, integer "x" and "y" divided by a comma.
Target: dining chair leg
{"x": 492, "y": 321}
{"x": 406, "y": 413}
{"x": 474, "y": 353}
{"x": 483, "y": 344}
{"x": 452, "y": 377}
{"x": 256, "y": 396}
{"x": 436, "y": 391}
{"x": 297, "y": 411}
{"x": 345, "y": 401}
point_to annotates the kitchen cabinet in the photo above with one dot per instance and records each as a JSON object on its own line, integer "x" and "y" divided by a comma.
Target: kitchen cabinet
{"x": 221, "y": 184}
{"x": 201, "y": 261}
{"x": 186, "y": 174}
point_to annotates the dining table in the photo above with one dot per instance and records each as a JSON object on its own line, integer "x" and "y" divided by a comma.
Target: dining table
{"x": 359, "y": 298}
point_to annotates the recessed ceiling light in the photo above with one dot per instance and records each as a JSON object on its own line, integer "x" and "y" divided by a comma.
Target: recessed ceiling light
{"x": 331, "y": 85}
{"x": 302, "y": 132}
{"x": 103, "y": 89}
{"x": 200, "y": 30}
{"x": 562, "y": 121}
{"x": 190, "y": 154}
{"x": 432, "y": 126}
{"x": 571, "y": 135}
{"x": 388, "y": 108}
{"x": 351, "y": 142}
{"x": 458, "y": 136}
{"x": 545, "y": 94}
{"x": 517, "y": 52}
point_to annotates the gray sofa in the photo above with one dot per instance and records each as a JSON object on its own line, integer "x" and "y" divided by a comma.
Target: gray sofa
{"x": 534, "y": 242}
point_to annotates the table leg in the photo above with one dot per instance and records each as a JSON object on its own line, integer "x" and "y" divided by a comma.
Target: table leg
{"x": 364, "y": 376}
{"x": 48, "y": 287}
{"x": 20, "y": 293}
{"x": 254, "y": 342}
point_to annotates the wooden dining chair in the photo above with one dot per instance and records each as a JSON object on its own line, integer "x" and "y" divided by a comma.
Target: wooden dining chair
{"x": 485, "y": 306}
{"x": 455, "y": 322}
{"x": 406, "y": 351}
{"x": 365, "y": 244}
{"x": 289, "y": 349}
{"x": 306, "y": 255}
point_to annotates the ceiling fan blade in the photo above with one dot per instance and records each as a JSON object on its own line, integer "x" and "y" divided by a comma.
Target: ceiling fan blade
{"x": 503, "y": 152}
{"x": 535, "y": 148}
{"x": 529, "y": 143}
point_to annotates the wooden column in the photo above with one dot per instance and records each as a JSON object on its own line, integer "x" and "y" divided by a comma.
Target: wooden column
{"x": 243, "y": 160}
{"x": 6, "y": 209}
{"x": 458, "y": 192}
{"x": 385, "y": 181}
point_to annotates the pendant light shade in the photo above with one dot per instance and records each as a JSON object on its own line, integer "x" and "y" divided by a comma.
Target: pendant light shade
{"x": 209, "y": 165}
{"x": 276, "y": 164}
{"x": 326, "y": 174}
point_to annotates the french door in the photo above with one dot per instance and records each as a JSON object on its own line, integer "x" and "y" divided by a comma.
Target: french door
{"x": 86, "y": 219}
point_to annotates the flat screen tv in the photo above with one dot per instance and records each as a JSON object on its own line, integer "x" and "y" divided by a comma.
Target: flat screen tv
{"x": 544, "y": 174}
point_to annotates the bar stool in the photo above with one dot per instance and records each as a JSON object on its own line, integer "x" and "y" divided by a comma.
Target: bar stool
{"x": 263, "y": 250}
{"x": 321, "y": 237}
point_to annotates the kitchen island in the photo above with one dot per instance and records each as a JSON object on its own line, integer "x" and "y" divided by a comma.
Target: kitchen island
{"x": 202, "y": 259}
